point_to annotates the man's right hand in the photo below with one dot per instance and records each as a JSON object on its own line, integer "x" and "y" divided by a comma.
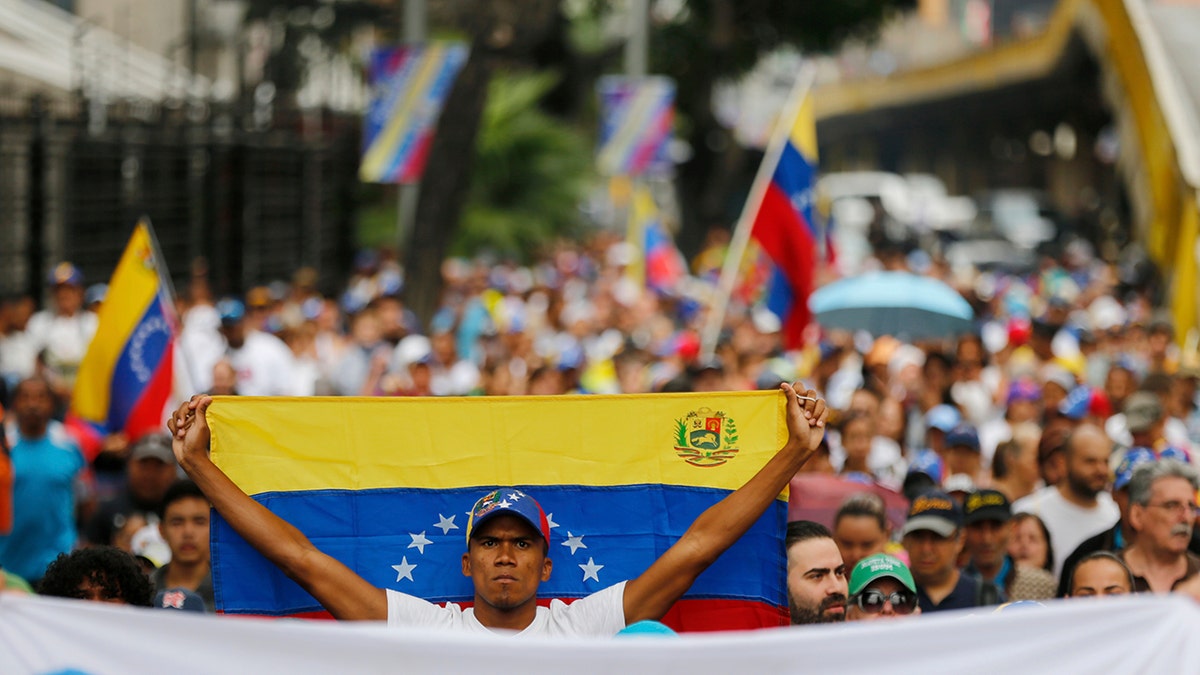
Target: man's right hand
{"x": 190, "y": 435}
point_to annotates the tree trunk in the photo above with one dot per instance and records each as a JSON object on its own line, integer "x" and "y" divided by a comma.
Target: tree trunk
{"x": 445, "y": 183}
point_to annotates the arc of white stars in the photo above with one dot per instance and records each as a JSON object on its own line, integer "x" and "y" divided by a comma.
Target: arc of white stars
{"x": 446, "y": 524}
{"x": 419, "y": 541}
{"x": 574, "y": 542}
{"x": 591, "y": 569}
{"x": 404, "y": 569}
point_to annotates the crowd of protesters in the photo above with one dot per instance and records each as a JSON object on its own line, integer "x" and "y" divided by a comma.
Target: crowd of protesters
{"x": 1050, "y": 446}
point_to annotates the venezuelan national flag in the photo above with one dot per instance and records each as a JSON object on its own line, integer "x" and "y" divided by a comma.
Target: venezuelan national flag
{"x": 385, "y": 485}
{"x": 660, "y": 266}
{"x": 125, "y": 378}
{"x": 785, "y": 230}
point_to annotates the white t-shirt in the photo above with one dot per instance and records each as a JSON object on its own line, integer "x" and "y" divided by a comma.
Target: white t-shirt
{"x": 601, "y": 613}
{"x": 65, "y": 338}
{"x": 264, "y": 366}
{"x": 1069, "y": 524}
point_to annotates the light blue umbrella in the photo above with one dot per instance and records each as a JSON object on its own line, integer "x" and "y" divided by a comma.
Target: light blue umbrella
{"x": 892, "y": 303}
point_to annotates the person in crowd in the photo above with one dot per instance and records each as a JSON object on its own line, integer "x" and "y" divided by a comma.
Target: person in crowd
{"x": 933, "y": 538}
{"x": 881, "y": 587}
{"x": 99, "y": 574}
{"x": 1121, "y": 534}
{"x": 45, "y": 465}
{"x": 1022, "y": 405}
{"x": 988, "y": 527}
{"x": 507, "y": 544}
{"x": 860, "y": 527}
{"x": 1014, "y": 465}
{"x": 816, "y": 575}
{"x": 962, "y": 456}
{"x": 150, "y": 471}
{"x": 1098, "y": 574}
{"x": 857, "y": 429}
{"x": 1078, "y": 506}
{"x": 183, "y": 522}
{"x": 60, "y": 334}
{"x": 1030, "y": 543}
{"x": 1162, "y": 511}
{"x": 262, "y": 361}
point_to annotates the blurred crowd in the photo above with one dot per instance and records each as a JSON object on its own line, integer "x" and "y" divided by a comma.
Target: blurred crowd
{"x": 1072, "y": 380}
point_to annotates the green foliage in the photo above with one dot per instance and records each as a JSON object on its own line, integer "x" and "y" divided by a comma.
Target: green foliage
{"x": 530, "y": 175}
{"x": 680, "y": 434}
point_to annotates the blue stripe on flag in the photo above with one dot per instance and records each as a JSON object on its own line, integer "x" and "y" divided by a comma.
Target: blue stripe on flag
{"x": 141, "y": 357}
{"x": 381, "y": 533}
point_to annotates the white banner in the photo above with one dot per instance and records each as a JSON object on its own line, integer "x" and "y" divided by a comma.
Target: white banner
{"x": 1139, "y": 634}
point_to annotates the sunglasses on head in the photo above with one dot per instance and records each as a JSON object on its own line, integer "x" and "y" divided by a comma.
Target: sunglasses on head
{"x": 872, "y": 601}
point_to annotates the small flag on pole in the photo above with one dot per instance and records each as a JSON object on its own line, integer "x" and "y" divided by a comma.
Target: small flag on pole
{"x": 410, "y": 87}
{"x": 636, "y": 119}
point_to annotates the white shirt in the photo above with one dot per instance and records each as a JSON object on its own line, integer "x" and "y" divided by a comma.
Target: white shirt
{"x": 1069, "y": 525}
{"x": 264, "y": 366}
{"x": 65, "y": 338}
{"x": 601, "y": 613}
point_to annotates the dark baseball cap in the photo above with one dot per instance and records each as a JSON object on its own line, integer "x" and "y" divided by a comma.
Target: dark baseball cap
{"x": 935, "y": 511}
{"x": 984, "y": 505}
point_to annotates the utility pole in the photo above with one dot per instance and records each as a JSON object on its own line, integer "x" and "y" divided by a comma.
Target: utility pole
{"x": 414, "y": 32}
{"x": 637, "y": 44}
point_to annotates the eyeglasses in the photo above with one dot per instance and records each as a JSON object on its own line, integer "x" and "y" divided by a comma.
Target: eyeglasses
{"x": 872, "y": 601}
{"x": 1178, "y": 508}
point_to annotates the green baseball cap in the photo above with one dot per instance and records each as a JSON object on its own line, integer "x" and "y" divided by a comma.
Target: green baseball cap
{"x": 879, "y": 566}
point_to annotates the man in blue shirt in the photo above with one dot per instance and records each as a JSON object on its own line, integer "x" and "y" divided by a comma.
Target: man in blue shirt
{"x": 45, "y": 462}
{"x": 933, "y": 537}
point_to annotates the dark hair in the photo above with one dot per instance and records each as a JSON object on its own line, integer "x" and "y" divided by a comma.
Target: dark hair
{"x": 180, "y": 489}
{"x": 1018, "y": 518}
{"x": 108, "y": 567}
{"x": 803, "y": 530}
{"x": 1005, "y": 452}
{"x": 865, "y": 505}
{"x": 1100, "y": 555}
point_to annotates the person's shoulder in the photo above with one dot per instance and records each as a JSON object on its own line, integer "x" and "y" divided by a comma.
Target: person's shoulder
{"x": 1033, "y": 500}
{"x": 408, "y": 610}
{"x": 601, "y": 613}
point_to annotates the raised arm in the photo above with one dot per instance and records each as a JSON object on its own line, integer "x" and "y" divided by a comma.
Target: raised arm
{"x": 650, "y": 595}
{"x": 346, "y": 595}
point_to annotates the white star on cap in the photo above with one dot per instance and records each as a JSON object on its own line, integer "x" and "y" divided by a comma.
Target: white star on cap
{"x": 504, "y": 505}
{"x": 550, "y": 521}
{"x": 574, "y": 542}
{"x": 446, "y": 524}
{"x": 419, "y": 541}
{"x": 589, "y": 570}
{"x": 515, "y": 496}
{"x": 404, "y": 570}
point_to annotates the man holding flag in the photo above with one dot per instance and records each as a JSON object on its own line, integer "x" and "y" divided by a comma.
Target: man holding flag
{"x": 507, "y": 544}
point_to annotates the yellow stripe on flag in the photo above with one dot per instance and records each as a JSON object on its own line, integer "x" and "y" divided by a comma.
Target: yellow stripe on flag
{"x": 382, "y": 151}
{"x": 804, "y": 130}
{"x": 288, "y": 444}
{"x": 133, "y": 286}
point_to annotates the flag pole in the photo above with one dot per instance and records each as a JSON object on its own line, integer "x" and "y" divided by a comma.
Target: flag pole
{"x": 758, "y": 190}
{"x": 166, "y": 294}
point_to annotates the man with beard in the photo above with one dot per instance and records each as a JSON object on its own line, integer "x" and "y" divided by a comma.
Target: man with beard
{"x": 816, "y": 575}
{"x": 1162, "y": 508}
{"x": 1077, "y": 507}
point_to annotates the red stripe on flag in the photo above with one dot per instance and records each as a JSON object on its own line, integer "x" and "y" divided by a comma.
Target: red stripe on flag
{"x": 147, "y": 414}
{"x": 787, "y": 240}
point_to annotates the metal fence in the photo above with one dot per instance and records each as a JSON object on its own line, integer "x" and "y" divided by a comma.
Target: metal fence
{"x": 257, "y": 204}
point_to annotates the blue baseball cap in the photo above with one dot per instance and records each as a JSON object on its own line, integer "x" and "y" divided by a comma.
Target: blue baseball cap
{"x": 179, "y": 598}
{"x": 508, "y": 500}
{"x": 942, "y": 417}
{"x": 929, "y": 463}
{"x": 1075, "y": 405}
{"x": 65, "y": 274}
{"x": 963, "y": 434}
{"x": 231, "y": 310}
{"x": 1134, "y": 457}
